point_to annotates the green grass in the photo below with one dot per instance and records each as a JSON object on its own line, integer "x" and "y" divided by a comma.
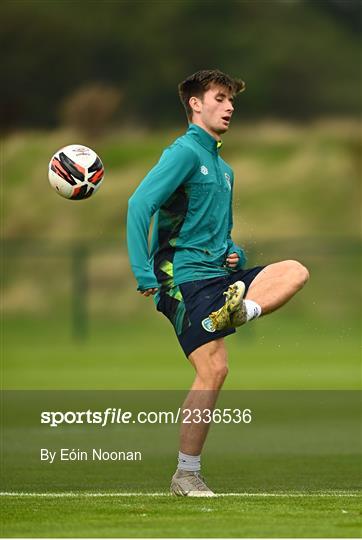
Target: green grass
{"x": 297, "y": 464}
{"x": 273, "y": 353}
{"x": 279, "y": 516}
{"x": 278, "y": 455}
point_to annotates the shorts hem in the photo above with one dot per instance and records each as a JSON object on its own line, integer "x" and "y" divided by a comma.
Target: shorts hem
{"x": 206, "y": 339}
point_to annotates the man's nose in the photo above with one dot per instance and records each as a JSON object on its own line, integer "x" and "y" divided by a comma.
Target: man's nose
{"x": 230, "y": 108}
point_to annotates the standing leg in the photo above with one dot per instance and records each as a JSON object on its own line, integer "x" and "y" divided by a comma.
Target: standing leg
{"x": 210, "y": 363}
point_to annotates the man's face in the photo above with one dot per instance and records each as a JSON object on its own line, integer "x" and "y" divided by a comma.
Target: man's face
{"x": 214, "y": 110}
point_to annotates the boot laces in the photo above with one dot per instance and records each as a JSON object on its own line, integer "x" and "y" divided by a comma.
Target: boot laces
{"x": 230, "y": 292}
{"x": 198, "y": 481}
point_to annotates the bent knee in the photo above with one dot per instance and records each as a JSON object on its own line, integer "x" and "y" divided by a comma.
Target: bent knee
{"x": 211, "y": 363}
{"x": 219, "y": 372}
{"x": 299, "y": 273}
{"x": 216, "y": 367}
{"x": 214, "y": 377}
{"x": 214, "y": 370}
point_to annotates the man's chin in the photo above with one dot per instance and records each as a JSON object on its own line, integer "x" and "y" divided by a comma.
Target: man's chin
{"x": 221, "y": 130}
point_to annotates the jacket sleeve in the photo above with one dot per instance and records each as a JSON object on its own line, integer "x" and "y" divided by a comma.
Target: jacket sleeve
{"x": 233, "y": 248}
{"x": 176, "y": 164}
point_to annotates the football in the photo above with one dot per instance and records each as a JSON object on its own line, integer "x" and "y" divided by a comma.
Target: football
{"x": 75, "y": 172}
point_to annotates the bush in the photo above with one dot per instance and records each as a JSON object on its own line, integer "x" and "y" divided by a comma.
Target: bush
{"x": 90, "y": 109}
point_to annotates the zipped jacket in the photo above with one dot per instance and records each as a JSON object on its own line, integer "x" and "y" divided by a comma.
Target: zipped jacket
{"x": 189, "y": 193}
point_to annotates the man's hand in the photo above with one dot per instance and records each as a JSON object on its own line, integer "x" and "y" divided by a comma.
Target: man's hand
{"x": 149, "y": 292}
{"x": 232, "y": 260}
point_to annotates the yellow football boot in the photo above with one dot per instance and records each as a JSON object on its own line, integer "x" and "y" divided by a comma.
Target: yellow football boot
{"x": 233, "y": 312}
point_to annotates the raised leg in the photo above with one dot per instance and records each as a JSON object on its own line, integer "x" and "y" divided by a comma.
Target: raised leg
{"x": 276, "y": 284}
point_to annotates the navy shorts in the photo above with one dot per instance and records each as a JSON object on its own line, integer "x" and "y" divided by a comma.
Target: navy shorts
{"x": 188, "y": 304}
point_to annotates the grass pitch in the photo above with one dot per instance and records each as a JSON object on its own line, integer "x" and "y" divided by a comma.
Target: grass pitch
{"x": 277, "y": 352}
{"x": 325, "y": 514}
{"x": 314, "y": 494}
{"x": 309, "y": 494}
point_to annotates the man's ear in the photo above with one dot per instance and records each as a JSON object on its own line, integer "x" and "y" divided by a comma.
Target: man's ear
{"x": 195, "y": 104}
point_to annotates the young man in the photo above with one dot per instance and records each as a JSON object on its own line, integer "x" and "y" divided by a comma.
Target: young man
{"x": 193, "y": 268}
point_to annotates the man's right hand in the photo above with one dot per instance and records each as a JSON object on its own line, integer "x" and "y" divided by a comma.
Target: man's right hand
{"x": 149, "y": 292}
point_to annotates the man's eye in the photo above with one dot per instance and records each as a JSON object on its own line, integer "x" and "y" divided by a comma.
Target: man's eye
{"x": 218, "y": 99}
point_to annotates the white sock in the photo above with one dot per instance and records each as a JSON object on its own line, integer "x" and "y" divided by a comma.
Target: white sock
{"x": 188, "y": 463}
{"x": 253, "y": 310}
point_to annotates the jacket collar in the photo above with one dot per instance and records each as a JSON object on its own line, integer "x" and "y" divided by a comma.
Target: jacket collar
{"x": 204, "y": 138}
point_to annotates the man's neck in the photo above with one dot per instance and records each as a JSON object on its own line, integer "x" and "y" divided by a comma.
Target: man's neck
{"x": 216, "y": 136}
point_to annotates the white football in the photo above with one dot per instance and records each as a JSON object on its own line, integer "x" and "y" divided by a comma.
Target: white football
{"x": 76, "y": 172}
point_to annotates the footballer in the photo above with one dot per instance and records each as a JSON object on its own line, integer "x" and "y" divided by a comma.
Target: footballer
{"x": 196, "y": 273}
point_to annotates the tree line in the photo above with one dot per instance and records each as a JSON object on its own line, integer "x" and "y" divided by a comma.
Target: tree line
{"x": 299, "y": 58}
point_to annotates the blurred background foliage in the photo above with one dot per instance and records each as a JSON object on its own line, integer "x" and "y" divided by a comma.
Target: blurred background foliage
{"x": 105, "y": 74}
{"x": 299, "y": 58}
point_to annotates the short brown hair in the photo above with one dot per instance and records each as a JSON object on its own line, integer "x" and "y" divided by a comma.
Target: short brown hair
{"x": 197, "y": 84}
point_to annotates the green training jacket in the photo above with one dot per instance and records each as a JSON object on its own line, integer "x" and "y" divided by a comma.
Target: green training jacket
{"x": 189, "y": 193}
